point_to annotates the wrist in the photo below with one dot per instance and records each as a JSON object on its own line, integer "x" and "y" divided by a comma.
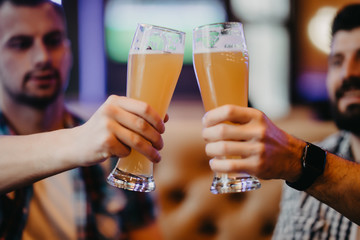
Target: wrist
{"x": 295, "y": 168}
{"x": 66, "y": 150}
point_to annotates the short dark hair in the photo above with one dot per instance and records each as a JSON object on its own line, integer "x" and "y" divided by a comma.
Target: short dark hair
{"x": 26, "y": 2}
{"x": 347, "y": 19}
{"x": 33, "y": 3}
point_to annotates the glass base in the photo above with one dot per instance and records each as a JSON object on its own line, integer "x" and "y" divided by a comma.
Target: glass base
{"x": 128, "y": 181}
{"x": 225, "y": 184}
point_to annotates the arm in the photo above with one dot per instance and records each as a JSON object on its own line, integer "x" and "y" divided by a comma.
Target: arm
{"x": 338, "y": 187}
{"x": 151, "y": 232}
{"x": 270, "y": 153}
{"x": 117, "y": 126}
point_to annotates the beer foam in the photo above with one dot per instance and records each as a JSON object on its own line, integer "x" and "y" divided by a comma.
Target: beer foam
{"x": 147, "y": 51}
{"x": 214, "y": 50}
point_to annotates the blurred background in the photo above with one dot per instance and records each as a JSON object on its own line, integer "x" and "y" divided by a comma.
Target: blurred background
{"x": 288, "y": 42}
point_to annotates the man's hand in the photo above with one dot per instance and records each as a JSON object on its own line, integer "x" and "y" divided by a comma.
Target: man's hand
{"x": 119, "y": 125}
{"x": 264, "y": 150}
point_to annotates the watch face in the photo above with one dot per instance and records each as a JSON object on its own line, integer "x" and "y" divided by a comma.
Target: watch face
{"x": 315, "y": 159}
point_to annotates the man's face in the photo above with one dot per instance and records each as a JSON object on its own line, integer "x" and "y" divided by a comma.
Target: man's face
{"x": 35, "y": 56}
{"x": 343, "y": 79}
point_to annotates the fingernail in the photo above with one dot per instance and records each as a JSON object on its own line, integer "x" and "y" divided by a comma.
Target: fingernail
{"x": 210, "y": 161}
{"x": 162, "y": 128}
{"x": 158, "y": 157}
{"x": 203, "y": 119}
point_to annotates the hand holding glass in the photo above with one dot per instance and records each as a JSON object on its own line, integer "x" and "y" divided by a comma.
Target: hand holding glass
{"x": 221, "y": 64}
{"x": 154, "y": 65}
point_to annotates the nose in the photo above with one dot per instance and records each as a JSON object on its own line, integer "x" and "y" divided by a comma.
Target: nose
{"x": 41, "y": 54}
{"x": 352, "y": 67}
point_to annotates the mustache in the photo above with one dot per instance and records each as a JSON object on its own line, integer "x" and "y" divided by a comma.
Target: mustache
{"x": 351, "y": 83}
{"x": 48, "y": 69}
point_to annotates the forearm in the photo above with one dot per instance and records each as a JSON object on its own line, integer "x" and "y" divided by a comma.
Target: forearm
{"x": 26, "y": 159}
{"x": 338, "y": 187}
{"x": 148, "y": 232}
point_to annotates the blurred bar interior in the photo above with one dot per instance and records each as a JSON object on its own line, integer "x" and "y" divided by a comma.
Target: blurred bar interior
{"x": 287, "y": 40}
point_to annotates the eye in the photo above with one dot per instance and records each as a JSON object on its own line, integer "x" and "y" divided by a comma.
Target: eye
{"x": 53, "y": 40}
{"x": 336, "y": 61}
{"x": 357, "y": 55}
{"x": 20, "y": 43}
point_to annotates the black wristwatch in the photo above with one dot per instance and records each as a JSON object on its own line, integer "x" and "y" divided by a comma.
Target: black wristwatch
{"x": 313, "y": 165}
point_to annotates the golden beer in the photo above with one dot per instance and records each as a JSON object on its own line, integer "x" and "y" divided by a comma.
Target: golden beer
{"x": 154, "y": 65}
{"x": 152, "y": 78}
{"x": 223, "y": 78}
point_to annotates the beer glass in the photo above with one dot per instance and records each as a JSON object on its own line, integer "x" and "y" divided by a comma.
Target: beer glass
{"x": 154, "y": 65}
{"x": 221, "y": 64}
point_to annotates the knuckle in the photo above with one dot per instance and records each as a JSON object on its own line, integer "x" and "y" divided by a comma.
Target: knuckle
{"x": 258, "y": 115}
{"x": 106, "y": 145}
{"x": 229, "y": 110}
{"x": 262, "y": 149}
{"x": 222, "y": 131}
{"x": 112, "y": 98}
{"x": 107, "y": 109}
{"x": 258, "y": 149}
{"x": 232, "y": 165}
{"x": 223, "y": 147}
{"x": 141, "y": 124}
{"x": 145, "y": 108}
{"x": 208, "y": 150}
{"x": 136, "y": 140}
{"x": 261, "y": 132}
{"x": 108, "y": 126}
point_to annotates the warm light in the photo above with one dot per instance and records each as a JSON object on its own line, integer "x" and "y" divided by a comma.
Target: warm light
{"x": 319, "y": 28}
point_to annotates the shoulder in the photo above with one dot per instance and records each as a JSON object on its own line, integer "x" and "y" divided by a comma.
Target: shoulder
{"x": 339, "y": 144}
{"x": 304, "y": 217}
{"x": 332, "y": 142}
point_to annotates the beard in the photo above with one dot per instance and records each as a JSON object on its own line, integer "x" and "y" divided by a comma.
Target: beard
{"x": 39, "y": 103}
{"x": 349, "y": 119}
{"x": 32, "y": 100}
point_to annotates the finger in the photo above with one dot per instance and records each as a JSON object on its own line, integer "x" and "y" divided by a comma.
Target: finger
{"x": 138, "y": 125}
{"x": 245, "y": 165}
{"x": 141, "y": 109}
{"x": 233, "y": 148}
{"x": 117, "y": 148}
{"x": 235, "y": 132}
{"x": 166, "y": 119}
{"x": 136, "y": 142}
{"x": 230, "y": 113}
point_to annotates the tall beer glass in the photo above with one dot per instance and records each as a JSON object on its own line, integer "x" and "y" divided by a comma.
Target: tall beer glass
{"x": 221, "y": 64}
{"x": 154, "y": 65}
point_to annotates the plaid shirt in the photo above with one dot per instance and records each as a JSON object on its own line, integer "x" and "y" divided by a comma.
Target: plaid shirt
{"x": 90, "y": 186}
{"x": 302, "y": 217}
